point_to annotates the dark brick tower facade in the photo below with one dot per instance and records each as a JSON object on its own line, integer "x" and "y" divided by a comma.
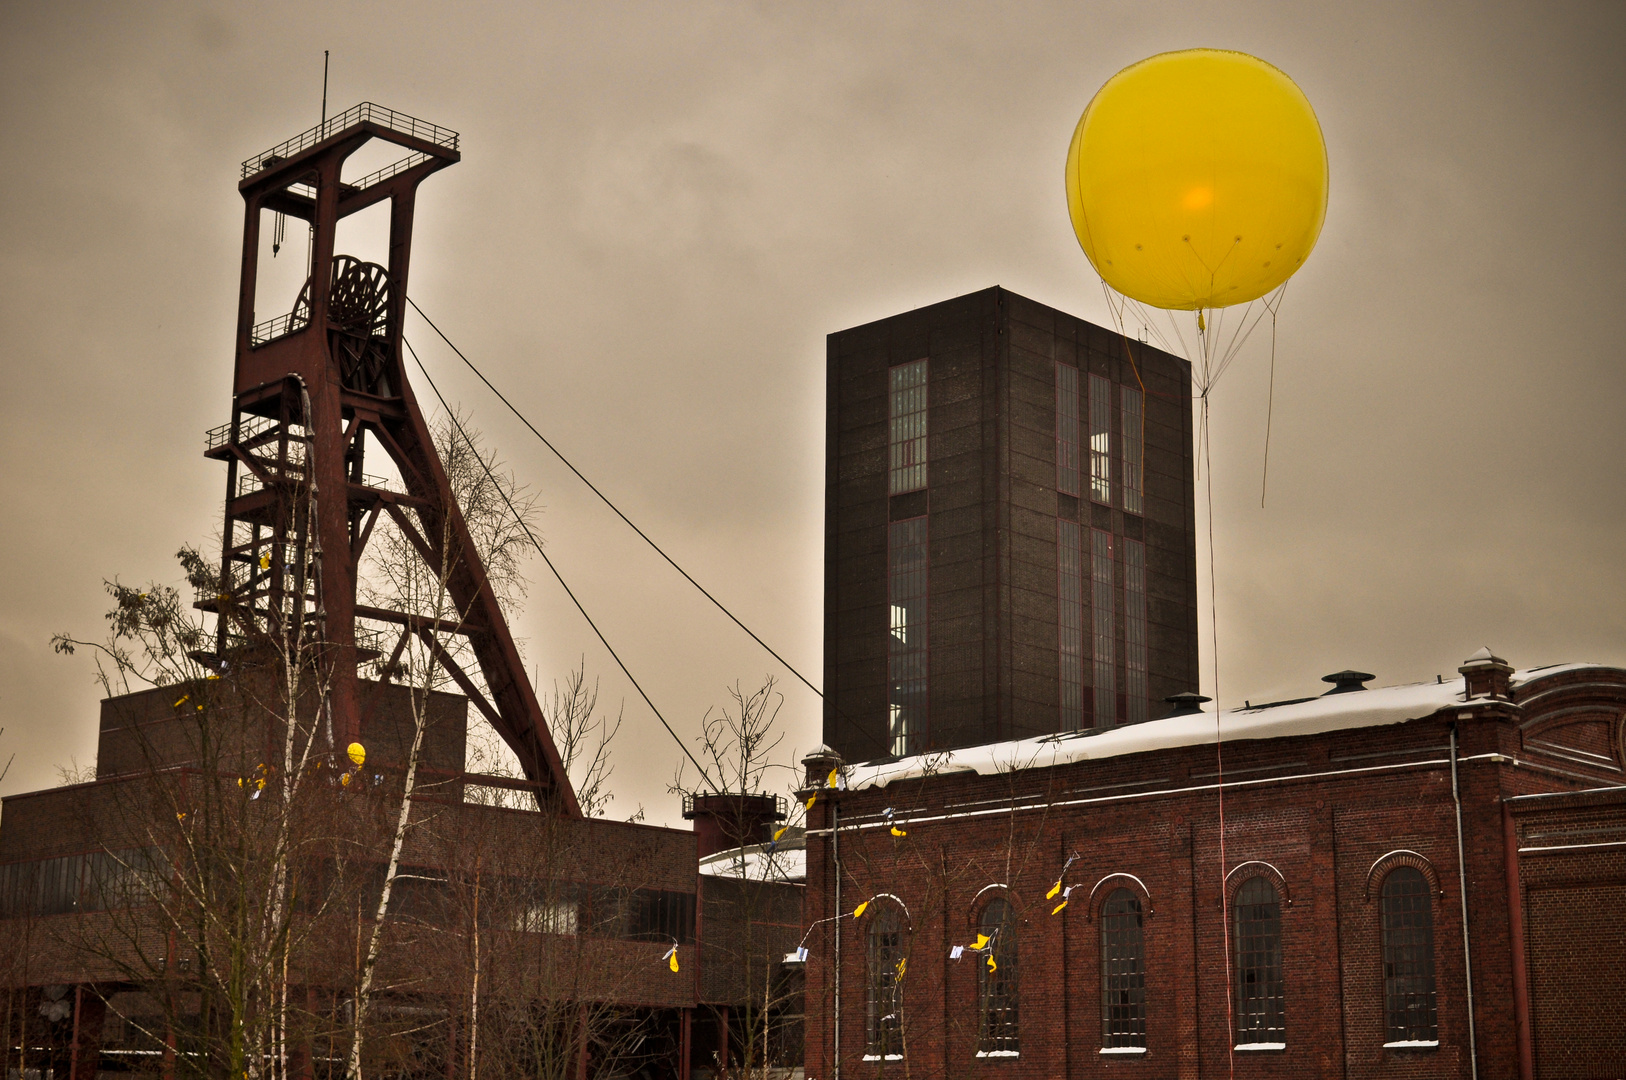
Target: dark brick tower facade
{"x": 1010, "y": 544}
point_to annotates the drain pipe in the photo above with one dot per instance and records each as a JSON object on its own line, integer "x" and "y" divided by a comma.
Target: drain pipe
{"x": 835, "y": 855}
{"x": 1462, "y": 885}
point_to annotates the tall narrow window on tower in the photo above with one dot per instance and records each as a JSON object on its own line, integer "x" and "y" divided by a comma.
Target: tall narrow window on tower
{"x": 1100, "y": 439}
{"x": 1101, "y": 604}
{"x": 1133, "y": 439}
{"x": 907, "y": 467}
{"x": 906, "y": 651}
{"x": 1070, "y": 621}
{"x": 1135, "y": 689}
{"x": 1067, "y": 429}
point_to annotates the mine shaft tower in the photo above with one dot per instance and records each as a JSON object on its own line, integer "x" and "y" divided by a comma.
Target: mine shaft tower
{"x": 308, "y": 387}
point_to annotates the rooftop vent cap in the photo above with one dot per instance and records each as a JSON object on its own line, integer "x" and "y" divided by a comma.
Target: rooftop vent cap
{"x": 1346, "y": 681}
{"x": 818, "y": 763}
{"x": 1186, "y": 704}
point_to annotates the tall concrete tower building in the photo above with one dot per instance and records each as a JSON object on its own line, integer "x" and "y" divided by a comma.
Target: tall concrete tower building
{"x": 1010, "y": 540}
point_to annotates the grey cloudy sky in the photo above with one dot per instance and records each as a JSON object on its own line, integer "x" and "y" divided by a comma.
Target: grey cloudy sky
{"x": 662, "y": 210}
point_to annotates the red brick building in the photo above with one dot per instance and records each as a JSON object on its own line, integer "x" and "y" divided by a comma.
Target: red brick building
{"x": 1420, "y": 881}
{"x": 1341, "y": 817}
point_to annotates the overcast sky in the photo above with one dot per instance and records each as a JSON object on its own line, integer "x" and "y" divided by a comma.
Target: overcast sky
{"x": 664, "y": 208}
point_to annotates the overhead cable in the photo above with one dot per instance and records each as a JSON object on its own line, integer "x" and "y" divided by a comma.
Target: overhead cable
{"x": 606, "y": 500}
{"x": 537, "y": 544}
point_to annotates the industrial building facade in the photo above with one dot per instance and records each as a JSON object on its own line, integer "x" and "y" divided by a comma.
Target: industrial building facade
{"x": 1009, "y": 528}
{"x": 1065, "y": 906}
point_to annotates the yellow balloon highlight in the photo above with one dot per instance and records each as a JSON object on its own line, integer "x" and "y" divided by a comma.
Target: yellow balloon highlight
{"x": 357, "y": 753}
{"x": 1197, "y": 179}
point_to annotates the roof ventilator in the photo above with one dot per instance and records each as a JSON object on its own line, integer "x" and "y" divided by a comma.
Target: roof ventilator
{"x": 1346, "y": 681}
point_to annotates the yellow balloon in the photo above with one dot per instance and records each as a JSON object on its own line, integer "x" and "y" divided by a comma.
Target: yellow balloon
{"x": 1197, "y": 179}
{"x": 357, "y": 752}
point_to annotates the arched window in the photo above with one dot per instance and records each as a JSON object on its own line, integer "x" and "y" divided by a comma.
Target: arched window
{"x": 1408, "y": 957}
{"x": 1260, "y": 1006}
{"x": 1000, "y": 1034}
{"x": 1123, "y": 972}
{"x": 885, "y": 1006}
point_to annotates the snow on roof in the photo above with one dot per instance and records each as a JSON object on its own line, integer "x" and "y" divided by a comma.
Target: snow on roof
{"x": 1330, "y": 712}
{"x": 787, "y": 862}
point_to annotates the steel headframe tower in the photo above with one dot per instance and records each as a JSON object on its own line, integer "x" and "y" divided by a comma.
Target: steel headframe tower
{"x": 310, "y": 387}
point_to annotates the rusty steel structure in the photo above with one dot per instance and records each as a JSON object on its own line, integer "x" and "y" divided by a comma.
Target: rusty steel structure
{"x": 309, "y": 388}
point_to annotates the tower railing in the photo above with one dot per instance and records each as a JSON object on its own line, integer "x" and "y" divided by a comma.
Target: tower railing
{"x": 366, "y": 112}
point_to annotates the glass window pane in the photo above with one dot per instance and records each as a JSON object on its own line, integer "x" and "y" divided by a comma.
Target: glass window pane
{"x": 1133, "y": 434}
{"x": 1136, "y": 691}
{"x": 907, "y": 466}
{"x": 1408, "y": 957}
{"x": 1260, "y": 1004}
{"x": 1123, "y": 974}
{"x": 1067, "y": 429}
{"x": 1103, "y": 592}
{"x": 1100, "y": 439}
{"x": 885, "y": 1000}
{"x": 907, "y": 646}
{"x": 997, "y": 983}
{"x": 1070, "y": 621}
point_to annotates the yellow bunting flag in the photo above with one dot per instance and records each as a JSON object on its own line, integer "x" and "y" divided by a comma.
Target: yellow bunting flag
{"x": 982, "y": 943}
{"x": 898, "y": 832}
{"x": 265, "y": 561}
{"x": 780, "y": 832}
{"x": 903, "y": 966}
{"x": 1057, "y": 909}
{"x": 182, "y": 701}
{"x": 672, "y": 961}
{"x": 810, "y": 800}
{"x": 345, "y": 780}
{"x": 992, "y": 967}
{"x": 835, "y": 775}
{"x": 1054, "y": 889}
{"x": 858, "y": 912}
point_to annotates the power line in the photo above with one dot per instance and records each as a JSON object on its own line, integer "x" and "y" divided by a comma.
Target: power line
{"x": 536, "y": 544}
{"x": 605, "y": 499}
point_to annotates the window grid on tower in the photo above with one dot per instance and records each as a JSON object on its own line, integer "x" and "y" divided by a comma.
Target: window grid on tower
{"x": 1100, "y": 439}
{"x": 907, "y": 463}
{"x": 1103, "y": 586}
{"x": 907, "y": 646}
{"x": 1070, "y": 621}
{"x": 1136, "y": 692}
{"x": 1067, "y": 429}
{"x": 1132, "y": 437}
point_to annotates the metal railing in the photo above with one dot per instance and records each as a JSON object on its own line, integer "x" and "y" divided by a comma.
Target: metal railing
{"x": 750, "y": 802}
{"x": 279, "y": 327}
{"x": 417, "y": 157}
{"x": 366, "y": 112}
{"x": 247, "y": 428}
